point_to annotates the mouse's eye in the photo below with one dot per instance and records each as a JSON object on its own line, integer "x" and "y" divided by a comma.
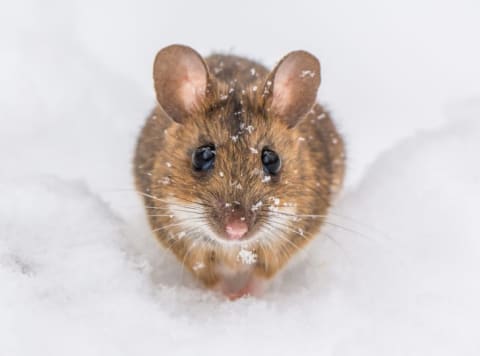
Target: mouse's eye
{"x": 203, "y": 157}
{"x": 271, "y": 162}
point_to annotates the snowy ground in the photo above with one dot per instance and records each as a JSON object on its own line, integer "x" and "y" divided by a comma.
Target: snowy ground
{"x": 79, "y": 271}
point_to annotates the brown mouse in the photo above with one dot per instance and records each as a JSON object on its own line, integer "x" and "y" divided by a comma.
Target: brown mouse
{"x": 237, "y": 165}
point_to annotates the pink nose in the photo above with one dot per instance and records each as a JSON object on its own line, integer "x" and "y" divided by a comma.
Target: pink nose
{"x": 236, "y": 229}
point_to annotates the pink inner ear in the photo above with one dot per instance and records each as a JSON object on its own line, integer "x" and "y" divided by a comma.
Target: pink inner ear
{"x": 192, "y": 87}
{"x": 282, "y": 90}
{"x": 295, "y": 83}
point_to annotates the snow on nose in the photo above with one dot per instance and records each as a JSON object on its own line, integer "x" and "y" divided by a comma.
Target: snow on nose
{"x": 236, "y": 229}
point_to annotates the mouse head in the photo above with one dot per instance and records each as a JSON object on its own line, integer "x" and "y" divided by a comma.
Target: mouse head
{"x": 233, "y": 166}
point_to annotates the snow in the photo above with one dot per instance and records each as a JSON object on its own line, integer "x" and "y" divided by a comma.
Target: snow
{"x": 247, "y": 257}
{"x": 395, "y": 271}
{"x": 256, "y": 206}
{"x": 266, "y": 179}
{"x": 307, "y": 73}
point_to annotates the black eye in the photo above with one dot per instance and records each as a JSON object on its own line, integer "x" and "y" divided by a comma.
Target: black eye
{"x": 203, "y": 158}
{"x": 271, "y": 162}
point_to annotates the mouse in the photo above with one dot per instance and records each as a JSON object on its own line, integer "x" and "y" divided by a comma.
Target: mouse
{"x": 237, "y": 165}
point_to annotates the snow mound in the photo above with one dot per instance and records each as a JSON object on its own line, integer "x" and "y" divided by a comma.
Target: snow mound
{"x": 73, "y": 280}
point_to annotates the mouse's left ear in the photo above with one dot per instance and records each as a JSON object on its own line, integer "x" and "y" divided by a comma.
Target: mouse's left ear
{"x": 291, "y": 88}
{"x": 182, "y": 81}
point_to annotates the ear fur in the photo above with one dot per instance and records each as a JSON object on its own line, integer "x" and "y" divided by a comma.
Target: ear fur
{"x": 181, "y": 80}
{"x": 291, "y": 88}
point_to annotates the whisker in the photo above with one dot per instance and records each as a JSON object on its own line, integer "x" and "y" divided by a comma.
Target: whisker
{"x": 186, "y": 207}
{"x": 296, "y": 215}
{"x": 338, "y": 245}
{"x": 287, "y": 226}
{"x": 167, "y": 226}
{"x": 176, "y": 197}
{"x": 169, "y": 215}
{"x": 341, "y": 227}
{"x": 332, "y": 223}
{"x": 276, "y": 228}
{"x": 173, "y": 215}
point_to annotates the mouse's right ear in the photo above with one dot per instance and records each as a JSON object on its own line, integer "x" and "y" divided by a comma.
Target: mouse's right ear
{"x": 181, "y": 81}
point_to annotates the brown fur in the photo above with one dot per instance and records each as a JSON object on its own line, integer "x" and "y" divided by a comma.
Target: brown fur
{"x": 237, "y": 100}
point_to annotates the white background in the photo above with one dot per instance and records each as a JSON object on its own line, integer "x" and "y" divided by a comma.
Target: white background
{"x": 79, "y": 271}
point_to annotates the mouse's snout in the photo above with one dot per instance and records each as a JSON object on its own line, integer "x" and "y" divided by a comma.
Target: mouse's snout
{"x": 234, "y": 222}
{"x": 236, "y": 229}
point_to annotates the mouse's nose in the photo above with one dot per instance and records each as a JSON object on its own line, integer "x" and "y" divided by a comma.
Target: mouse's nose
{"x": 236, "y": 229}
